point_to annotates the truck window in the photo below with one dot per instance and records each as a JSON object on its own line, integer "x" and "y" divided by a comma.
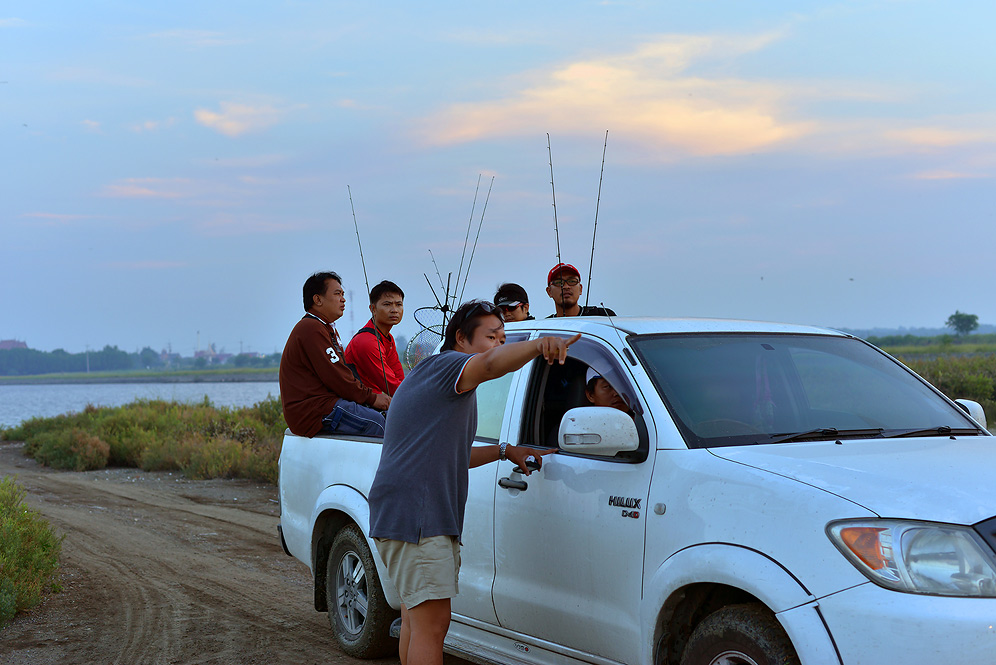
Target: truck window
{"x": 556, "y": 389}
{"x": 491, "y": 399}
{"x": 492, "y": 396}
{"x": 734, "y": 389}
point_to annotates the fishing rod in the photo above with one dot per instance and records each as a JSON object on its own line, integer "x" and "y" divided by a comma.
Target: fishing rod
{"x": 380, "y": 350}
{"x": 556, "y": 226}
{"x": 553, "y": 190}
{"x": 474, "y": 250}
{"x": 597, "y": 201}
{"x": 470, "y": 223}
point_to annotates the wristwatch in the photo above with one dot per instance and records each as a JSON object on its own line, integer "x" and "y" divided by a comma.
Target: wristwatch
{"x": 501, "y": 450}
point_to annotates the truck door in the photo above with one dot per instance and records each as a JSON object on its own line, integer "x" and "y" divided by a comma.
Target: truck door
{"x": 477, "y": 568}
{"x": 569, "y": 548}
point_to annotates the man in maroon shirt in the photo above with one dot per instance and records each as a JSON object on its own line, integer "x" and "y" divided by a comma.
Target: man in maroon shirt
{"x": 372, "y": 351}
{"x": 318, "y": 391}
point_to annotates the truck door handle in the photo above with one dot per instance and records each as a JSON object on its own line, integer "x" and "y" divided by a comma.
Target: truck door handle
{"x": 510, "y": 484}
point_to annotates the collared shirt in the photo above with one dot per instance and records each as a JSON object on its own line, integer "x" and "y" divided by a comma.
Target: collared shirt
{"x": 366, "y": 351}
{"x": 313, "y": 376}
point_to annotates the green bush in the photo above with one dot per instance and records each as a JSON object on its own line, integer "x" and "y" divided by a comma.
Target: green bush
{"x": 968, "y": 377}
{"x": 202, "y": 440}
{"x": 29, "y": 553}
{"x": 71, "y": 449}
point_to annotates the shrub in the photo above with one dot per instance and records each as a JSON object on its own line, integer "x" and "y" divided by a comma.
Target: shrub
{"x": 71, "y": 449}
{"x": 968, "y": 377}
{"x": 202, "y": 440}
{"x": 29, "y": 553}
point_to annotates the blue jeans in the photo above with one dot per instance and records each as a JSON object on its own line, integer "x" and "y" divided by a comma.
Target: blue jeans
{"x": 352, "y": 418}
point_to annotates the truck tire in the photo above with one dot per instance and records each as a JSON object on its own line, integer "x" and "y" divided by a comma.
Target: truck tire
{"x": 740, "y": 635}
{"x": 358, "y": 612}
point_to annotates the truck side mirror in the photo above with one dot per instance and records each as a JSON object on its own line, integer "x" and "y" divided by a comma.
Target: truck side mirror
{"x": 975, "y": 410}
{"x": 597, "y": 430}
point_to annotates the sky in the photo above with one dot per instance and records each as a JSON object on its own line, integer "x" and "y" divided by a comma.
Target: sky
{"x": 173, "y": 171}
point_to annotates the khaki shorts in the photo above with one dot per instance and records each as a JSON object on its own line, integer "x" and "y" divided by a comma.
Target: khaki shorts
{"x": 427, "y": 571}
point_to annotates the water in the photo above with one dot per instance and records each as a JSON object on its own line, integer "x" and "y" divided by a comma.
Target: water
{"x": 19, "y": 403}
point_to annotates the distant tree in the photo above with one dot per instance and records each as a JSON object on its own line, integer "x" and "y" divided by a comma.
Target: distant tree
{"x": 149, "y": 358}
{"x": 962, "y": 323}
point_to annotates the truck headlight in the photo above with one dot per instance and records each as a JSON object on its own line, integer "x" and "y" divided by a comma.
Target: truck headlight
{"x": 918, "y": 557}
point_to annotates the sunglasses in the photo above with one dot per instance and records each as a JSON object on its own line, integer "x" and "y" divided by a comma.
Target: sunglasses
{"x": 570, "y": 281}
{"x": 487, "y": 307}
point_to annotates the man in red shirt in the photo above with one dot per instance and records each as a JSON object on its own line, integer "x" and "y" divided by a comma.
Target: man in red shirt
{"x": 372, "y": 351}
{"x": 318, "y": 391}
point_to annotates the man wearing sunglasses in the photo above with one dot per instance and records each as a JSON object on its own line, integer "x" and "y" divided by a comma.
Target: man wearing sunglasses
{"x": 419, "y": 494}
{"x": 563, "y": 284}
{"x": 513, "y": 302}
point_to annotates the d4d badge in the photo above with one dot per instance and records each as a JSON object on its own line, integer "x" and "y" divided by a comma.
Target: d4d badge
{"x": 626, "y": 502}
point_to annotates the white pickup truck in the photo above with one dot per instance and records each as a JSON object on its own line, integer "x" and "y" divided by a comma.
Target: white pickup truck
{"x": 780, "y": 494}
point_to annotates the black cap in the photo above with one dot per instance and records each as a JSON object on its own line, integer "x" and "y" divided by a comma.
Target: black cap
{"x": 510, "y": 294}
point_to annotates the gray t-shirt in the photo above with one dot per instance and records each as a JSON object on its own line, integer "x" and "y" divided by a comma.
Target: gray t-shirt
{"x": 420, "y": 489}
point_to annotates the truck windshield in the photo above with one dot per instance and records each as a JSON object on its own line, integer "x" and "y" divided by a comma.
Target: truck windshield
{"x": 744, "y": 389}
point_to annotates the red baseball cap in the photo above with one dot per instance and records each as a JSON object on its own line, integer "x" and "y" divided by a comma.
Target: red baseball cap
{"x": 559, "y": 268}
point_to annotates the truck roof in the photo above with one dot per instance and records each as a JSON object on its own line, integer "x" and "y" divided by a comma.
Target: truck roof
{"x": 639, "y": 325}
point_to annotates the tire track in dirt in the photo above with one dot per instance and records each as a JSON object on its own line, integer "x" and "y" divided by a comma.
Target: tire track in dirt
{"x": 160, "y": 569}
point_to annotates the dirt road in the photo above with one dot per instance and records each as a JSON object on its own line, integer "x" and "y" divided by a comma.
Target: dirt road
{"x": 160, "y": 569}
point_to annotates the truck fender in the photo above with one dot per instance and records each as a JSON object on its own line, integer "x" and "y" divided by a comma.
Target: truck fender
{"x": 749, "y": 571}
{"x": 347, "y": 500}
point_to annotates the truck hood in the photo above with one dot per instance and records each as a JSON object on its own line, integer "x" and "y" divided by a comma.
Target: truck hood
{"x": 934, "y": 479}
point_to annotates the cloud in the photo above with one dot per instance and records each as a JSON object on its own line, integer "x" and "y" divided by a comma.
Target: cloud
{"x": 941, "y": 174}
{"x": 12, "y": 23}
{"x": 57, "y": 217}
{"x": 152, "y": 125}
{"x": 148, "y": 188}
{"x": 91, "y": 125}
{"x": 941, "y": 137}
{"x": 648, "y": 96}
{"x": 236, "y": 119}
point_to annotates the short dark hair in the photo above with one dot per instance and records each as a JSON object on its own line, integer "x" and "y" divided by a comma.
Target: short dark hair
{"x": 377, "y": 292}
{"x": 466, "y": 320}
{"x": 510, "y": 292}
{"x": 316, "y": 285}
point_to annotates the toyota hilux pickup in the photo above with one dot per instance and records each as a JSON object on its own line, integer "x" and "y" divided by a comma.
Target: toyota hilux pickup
{"x": 774, "y": 494}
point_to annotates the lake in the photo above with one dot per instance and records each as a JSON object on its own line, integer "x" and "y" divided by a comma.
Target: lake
{"x": 18, "y": 403}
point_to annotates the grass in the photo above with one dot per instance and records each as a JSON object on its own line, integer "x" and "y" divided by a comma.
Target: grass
{"x": 201, "y": 440}
{"x": 29, "y": 553}
{"x": 968, "y": 377}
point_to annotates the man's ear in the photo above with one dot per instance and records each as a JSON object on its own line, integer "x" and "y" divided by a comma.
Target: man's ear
{"x": 316, "y": 300}
{"x": 373, "y": 308}
{"x": 590, "y": 396}
{"x": 525, "y": 308}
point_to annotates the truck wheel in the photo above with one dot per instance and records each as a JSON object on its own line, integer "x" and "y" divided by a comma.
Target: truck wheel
{"x": 358, "y": 612}
{"x": 739, "y": 635}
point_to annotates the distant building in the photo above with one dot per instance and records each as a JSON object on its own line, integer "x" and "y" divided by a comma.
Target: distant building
{"x": 8, "y": 344}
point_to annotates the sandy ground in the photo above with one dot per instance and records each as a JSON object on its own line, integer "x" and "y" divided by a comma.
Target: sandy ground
{"x": 160, "y": 569}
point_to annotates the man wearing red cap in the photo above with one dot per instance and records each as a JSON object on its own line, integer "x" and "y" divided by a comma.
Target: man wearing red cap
{"x": 564, "y": 286}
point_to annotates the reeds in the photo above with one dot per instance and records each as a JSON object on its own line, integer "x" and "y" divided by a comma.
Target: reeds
{"x": 201, "y": 440}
